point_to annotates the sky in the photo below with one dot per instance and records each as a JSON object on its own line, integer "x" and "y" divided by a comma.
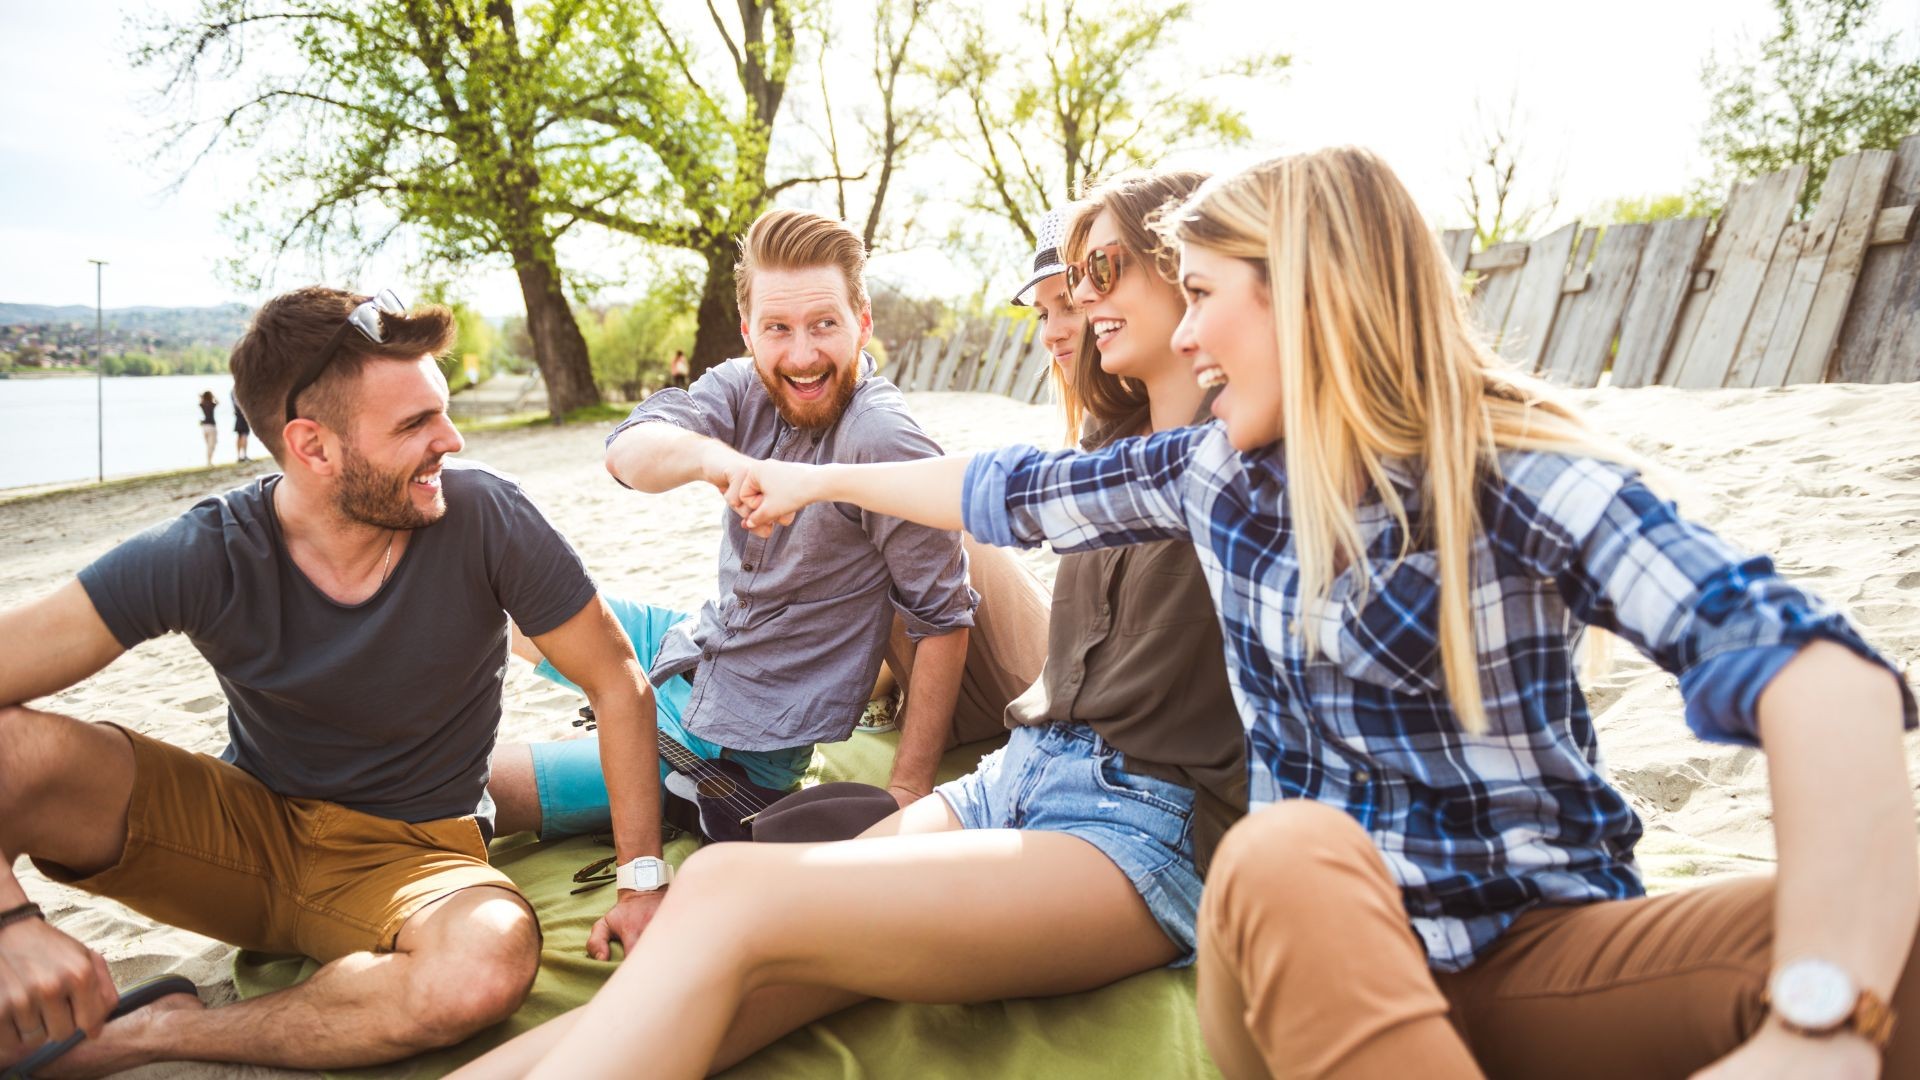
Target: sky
{"x": 1607, "y": 97}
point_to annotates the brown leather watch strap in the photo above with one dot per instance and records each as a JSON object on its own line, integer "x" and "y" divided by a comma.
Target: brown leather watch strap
{"x": 1872, "y": 1018}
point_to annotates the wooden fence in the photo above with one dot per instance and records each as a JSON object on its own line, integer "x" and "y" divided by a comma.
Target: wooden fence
{"x": 1752, "y": 299}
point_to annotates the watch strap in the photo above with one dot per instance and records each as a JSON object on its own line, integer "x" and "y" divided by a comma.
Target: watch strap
{"x": 1872, "y": 1020}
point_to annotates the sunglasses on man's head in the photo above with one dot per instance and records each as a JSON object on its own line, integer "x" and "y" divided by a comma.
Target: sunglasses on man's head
{"x": 1101, "y": 269}
{"x": 364, "y": 318}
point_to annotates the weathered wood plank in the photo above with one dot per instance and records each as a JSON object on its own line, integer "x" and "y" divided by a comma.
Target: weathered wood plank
{"x": 976, "y": 370}
{"x": 1458, "y": 244}
{"x": 909, "y": 360}
{"x": 1798, "y": 243}
{"x": 1819, "y": 295}
{"x": 1583, "y": 332}
{"x": 1009, "y": 374}
{"x": 1893, "y": 226}
{"x": 1660, "y": 287}
{"x": 1742, "y": 253}
{"x": 1493, "y": 289}
{"x": 1523, "y": 338}
{"x": 950, "y": 360}
{"x": 1508, "y": 256}
{"x": 990, "y": 363}
{"x": 1032, "y": 385}
{"x": 1880, "y": 337}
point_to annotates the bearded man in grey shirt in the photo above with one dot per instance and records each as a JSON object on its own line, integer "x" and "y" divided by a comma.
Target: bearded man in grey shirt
{"x": 355, "y": 610}
{"x": 786, "y": 655}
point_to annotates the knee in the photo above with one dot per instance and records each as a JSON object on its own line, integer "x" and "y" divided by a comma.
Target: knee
{"x": 476, "y": 985}
{"x": 716, "y": 878}
{"x": 27, "y": 757}
{"x": 1292, "y": 864}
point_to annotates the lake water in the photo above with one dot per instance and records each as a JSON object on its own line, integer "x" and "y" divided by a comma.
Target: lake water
{"x": 48, "y": 434}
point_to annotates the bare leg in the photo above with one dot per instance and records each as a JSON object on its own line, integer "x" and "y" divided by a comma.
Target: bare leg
{"x": 970, "y": 916}
{"x": 767, "y": 1015}
{"x": 516, "y": 797}
{"x": 460, "y": 965}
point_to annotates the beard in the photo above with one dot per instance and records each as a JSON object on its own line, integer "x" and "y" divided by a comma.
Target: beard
{"x": 382, "y": 499}
{"x": 819, "y": 413}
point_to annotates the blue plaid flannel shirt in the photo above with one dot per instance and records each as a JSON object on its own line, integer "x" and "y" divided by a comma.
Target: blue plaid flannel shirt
{"x": 1475, "y": 829}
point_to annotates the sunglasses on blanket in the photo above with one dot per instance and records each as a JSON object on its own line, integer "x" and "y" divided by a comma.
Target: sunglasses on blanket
{"x": 366, "y": 319}
{"x": 1100, "y": 269}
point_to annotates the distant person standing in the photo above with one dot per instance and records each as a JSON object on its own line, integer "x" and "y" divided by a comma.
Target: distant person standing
{"x": 677, "y": 370}
{"x": 208, "y": 427}
{"x": 240, "y": 431}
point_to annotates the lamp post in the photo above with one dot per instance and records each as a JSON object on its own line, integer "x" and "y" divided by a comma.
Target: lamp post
{"x": 99, "y": 376}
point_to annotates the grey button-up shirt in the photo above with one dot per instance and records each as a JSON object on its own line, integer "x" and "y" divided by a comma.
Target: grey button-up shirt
{"x": 787, "y": 654}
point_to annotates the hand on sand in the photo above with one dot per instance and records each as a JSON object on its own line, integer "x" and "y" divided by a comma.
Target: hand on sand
{"x": 50, "y": 987}
{"x": 1774, "y": 1053}
{"x": 769, "y": 493}
{"x": 628, "y": 919}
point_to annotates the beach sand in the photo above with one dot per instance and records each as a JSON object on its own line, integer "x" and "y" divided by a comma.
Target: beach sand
{"x": 1825, "y": 478}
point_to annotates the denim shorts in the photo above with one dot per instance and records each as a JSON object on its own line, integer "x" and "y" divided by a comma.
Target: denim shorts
{"x": 1064, "y": 778}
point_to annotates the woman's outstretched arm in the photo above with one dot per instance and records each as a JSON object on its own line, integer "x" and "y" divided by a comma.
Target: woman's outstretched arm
{"x": 926, "y": 490}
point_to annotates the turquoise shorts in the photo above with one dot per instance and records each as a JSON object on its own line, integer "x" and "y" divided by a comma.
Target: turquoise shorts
{"x": 573, "y": 792}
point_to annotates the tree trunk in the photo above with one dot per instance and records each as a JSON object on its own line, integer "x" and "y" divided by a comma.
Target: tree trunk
{"x": 558, "y": 348}
{"x": 716, "y": 337}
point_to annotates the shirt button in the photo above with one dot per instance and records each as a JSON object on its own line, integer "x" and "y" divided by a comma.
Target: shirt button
{"x": 747, "y": 566}
{"x": 709, "y": 653}
{"x": 1363, "y": 777}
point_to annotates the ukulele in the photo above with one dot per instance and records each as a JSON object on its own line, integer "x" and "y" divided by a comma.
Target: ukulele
{"x": 710, "y": 797}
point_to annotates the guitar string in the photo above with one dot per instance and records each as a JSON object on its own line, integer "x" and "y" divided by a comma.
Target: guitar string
{"x": 739, "y": 800}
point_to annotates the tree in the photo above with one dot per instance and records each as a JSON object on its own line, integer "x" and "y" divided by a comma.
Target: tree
{"x": 1075, "y": 98}
{"x": 630, "y": 344}
{"x": 1819, "y": 90}
{"x": 1629, "y": 208}
{"x": 1492, "y": 201}
{"x": 466, "y": 123}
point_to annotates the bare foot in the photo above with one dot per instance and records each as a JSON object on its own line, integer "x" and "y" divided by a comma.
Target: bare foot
{"x": 133, "y": 1040}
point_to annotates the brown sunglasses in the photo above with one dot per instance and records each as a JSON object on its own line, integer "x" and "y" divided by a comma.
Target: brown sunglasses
{"x": 1101, "y": 269}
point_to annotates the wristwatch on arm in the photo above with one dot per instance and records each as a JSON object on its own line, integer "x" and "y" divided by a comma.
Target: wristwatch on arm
{"x": 648, "y": 873}
{"x": 1814, "y": 997}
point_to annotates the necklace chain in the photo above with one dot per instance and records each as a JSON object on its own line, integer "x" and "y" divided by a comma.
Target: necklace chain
{"x": 386, "y": 562}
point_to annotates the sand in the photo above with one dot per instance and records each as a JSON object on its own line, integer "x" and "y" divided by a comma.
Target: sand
{"x": 1826, "y": 478}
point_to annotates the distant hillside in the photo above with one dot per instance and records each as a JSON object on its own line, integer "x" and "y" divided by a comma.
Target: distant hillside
{"x": 224, "y": 323}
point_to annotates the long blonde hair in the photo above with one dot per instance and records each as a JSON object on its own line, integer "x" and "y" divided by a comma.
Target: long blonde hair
{"x": 1378, "y": 360}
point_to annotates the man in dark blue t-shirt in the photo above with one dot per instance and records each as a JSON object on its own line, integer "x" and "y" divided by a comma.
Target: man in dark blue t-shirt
{"x": 355, "y": 609}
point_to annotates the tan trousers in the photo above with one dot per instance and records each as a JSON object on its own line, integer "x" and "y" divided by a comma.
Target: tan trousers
{"x": 1005, "y": 651}
{"x": 1308, "y": 968}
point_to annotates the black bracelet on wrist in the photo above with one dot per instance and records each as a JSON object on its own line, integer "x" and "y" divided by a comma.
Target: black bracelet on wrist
{"x": 28, "y": 910}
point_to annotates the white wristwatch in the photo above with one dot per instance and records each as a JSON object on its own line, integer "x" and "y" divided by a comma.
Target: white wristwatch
{"x": 648, "y": 873}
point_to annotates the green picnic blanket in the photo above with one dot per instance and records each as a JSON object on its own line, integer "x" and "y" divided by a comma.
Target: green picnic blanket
{"x": 1142, "y": 1026}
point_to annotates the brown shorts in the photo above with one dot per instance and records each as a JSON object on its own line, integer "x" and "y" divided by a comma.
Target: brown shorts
{"x": 210, "y": 849}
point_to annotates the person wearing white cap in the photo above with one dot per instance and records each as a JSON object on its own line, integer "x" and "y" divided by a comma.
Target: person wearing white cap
{"x": 1062, "y": 326}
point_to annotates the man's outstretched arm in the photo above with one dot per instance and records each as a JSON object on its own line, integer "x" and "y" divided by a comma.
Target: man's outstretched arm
{"x": 593, "y": 652}
{"x": 52, "y": 643}
{"x": 661, "y": 456}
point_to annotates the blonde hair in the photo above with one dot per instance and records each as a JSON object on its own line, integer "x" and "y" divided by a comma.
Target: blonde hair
{"x": 799, "y": 240}
{"x": 1116, "y": 406}
{"x": 1378, "y": 360}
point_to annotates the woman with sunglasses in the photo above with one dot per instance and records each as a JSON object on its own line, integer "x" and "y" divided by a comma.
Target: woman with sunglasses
{"x": 1069, "y": 859}
{"x": 1405, "y": 540}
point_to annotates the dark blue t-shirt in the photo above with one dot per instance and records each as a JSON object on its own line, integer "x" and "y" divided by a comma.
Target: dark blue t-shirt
{"x": 388, "y": 706}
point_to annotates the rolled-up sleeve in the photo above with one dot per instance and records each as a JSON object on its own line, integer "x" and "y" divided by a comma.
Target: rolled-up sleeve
{"x": 1725, "y": 622}
{"x": 1130, "y": 492}
{"x": 710, "y": 407}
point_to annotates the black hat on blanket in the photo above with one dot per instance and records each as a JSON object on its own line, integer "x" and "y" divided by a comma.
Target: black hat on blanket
{"x": 838, "y": 811}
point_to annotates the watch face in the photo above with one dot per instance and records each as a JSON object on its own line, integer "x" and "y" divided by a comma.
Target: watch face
{"x": 1813, "y": 994}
